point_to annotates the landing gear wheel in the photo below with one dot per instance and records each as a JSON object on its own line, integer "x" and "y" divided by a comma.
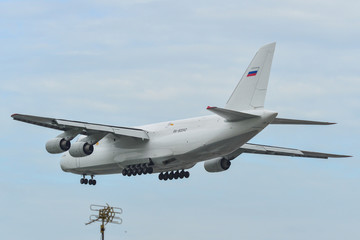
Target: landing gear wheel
{"x": 86, "y": 181}
{"x": 166, "y": 176}
{"x": 144, "y": 168}
{"x": 176, "y": 175}
{"x": 171, "y": 175}
{"x": 161, "y": 176}
{"x": 82, "y": 181}
{"x": 187, "y": 175}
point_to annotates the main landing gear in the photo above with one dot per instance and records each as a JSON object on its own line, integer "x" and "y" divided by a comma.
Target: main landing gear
{"x": 174, "y": 175}
{"x": 137, "y": 169}
{"x": 85, "y": 181}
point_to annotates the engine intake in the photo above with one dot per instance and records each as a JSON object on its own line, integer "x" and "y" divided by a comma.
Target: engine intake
{"x": 217, "y": 165}
{"x": 81, "y": 149}
{"x": 57, "y": 145}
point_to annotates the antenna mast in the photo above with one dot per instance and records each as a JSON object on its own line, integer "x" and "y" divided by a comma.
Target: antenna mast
{"x": 106, "y": 214}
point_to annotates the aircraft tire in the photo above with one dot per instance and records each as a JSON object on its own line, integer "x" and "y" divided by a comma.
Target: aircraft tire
{"x": 165, "y": 176}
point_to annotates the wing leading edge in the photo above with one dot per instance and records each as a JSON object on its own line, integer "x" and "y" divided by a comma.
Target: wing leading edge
{"x": 85, "y": 128}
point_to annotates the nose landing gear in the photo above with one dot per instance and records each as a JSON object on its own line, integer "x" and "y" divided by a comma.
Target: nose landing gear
{"x": 85, "y": 181}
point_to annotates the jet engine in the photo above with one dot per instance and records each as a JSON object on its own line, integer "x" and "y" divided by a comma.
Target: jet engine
{"x": 81, "y": 149}
{"x": 57, "y": 145}
{"x": 217, "y": 164}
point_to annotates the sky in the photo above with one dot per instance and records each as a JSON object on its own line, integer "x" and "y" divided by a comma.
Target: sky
{"x": 130, "y": 63}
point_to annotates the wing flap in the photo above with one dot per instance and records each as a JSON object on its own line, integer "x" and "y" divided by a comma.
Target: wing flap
{"x": 70, "y": 124}
{"x": 253, "y": 148}
{"x": 137, "y": 133}
{"x": 87, "y": 128}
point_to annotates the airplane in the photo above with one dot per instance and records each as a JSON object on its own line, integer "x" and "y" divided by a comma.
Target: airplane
{"x": 171, "y": 148}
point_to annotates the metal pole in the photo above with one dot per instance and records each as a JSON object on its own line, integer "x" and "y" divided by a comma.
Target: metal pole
{"x": 102, "y": 229}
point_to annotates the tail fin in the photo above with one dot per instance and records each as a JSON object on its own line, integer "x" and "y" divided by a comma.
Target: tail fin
{"x": 251, "y": 89}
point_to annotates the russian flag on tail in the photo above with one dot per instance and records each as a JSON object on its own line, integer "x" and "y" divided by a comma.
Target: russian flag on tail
{"x": 252, "y": 73}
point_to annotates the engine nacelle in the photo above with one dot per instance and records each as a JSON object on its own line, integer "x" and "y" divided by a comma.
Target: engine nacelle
{"x": 81, "y": 149}
{"x": 217, "y": 165}
{"x": 57, "y": 145}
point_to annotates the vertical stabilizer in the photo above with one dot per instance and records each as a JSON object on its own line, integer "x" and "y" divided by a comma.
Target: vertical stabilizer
{"x": 251, "y": 90}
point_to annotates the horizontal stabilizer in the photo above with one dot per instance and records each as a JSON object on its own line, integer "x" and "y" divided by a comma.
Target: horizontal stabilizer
{"x": 230, "y": 115}
{"x": 298, "y": 122}
{"x": 83, "y": 127}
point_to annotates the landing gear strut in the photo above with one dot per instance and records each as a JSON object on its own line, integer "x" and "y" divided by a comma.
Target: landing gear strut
{"x": 85, "y": 181}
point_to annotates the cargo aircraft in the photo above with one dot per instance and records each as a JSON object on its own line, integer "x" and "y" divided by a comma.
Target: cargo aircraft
{"x": 171, "y": 148}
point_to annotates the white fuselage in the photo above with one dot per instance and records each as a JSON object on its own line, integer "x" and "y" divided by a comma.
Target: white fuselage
{"x": 171, "y": 146}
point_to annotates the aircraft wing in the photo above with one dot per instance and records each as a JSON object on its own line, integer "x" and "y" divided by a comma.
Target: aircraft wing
{"x": 83, "y": 127}
{"x": 272, "y": 150}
